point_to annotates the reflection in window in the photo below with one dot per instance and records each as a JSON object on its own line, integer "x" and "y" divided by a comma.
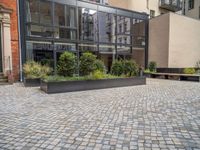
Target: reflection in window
{"x": 40, "y": 52}
{"x": 107, "y": 48}
{"x": 45, "y": 13}
{"x": 65, "y": 47}
{"x": 123, "y": 49}
{"x": 138, "y": 33}
{"x": 59, "y": 15}
{"x": 65, "y": 33}
{"x": 40, "y": 31}
{"x": 32, "y": 11}
{"x": 88, "y": 24}
{"x": 107, "y": 27}
{"x": 87, "y": 47}
{"x": 123, "y": 30}
{"x": 39, "y": 12}
{"x": 72, "y": 18}
{"x": 65, "y": 15}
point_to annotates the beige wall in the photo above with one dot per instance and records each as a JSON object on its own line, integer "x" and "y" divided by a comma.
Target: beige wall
{"x": 119, "y": 3}
{"x": 139, "y": 5}
{"x": 184, "y": 47}
{"x": 159, "y": 40}
{"x": 174, "y": 41}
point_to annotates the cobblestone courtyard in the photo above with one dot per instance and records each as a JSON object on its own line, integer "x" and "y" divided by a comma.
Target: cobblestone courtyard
{"x": 161, "y": 115}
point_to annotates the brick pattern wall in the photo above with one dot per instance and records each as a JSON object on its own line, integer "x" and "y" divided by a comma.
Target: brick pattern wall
{"x": 12, "y": 4}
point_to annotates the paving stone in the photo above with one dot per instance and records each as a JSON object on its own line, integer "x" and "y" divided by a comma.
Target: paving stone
{"x": 162, "y": 115}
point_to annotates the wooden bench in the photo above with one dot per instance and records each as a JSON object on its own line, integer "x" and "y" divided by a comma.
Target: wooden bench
{"x": 186, "y": 77}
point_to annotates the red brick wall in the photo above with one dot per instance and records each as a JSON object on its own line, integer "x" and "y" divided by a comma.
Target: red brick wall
{"x": 12, "y": 4}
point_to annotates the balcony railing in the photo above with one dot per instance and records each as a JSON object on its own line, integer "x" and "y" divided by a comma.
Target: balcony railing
{"x": 171, "y": 5}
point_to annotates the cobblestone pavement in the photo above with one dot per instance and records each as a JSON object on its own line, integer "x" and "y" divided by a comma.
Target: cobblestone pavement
{"x": 161, "y": 115}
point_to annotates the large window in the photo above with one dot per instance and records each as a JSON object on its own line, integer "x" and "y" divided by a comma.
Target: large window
{"x": 39, "y": 31}
{"x": 52, "y": 27}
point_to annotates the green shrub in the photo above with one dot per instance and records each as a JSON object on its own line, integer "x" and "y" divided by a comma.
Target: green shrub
{"x": 97, "y": 75}
{"x": 45, "y": 71}
{"x": 87, "y": 63}
{"x": 147, "y": 71}
{"x": 66, "y": 64}
{"x": 117, "y": 68}
{"x": 130, "y": 68}
{"x": 152, "y": 66}
{"x": 62, "y": 78}
{"x": 33, "y": 70}
{"x": 189, "y": 71}
{"x": 99, "y": 65}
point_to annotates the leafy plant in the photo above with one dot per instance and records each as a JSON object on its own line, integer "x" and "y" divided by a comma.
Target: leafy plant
{"x": 87, "y": 63}
{"x": 97, "y": 75}
{"x": 130, "y": 68}
{"x": 189, "y": 71}
{"x": 147, "y": 71}
{"x": 66, "y": 64}
{"x": 117, "y": 68}
{"x": 33, "y": 70}
{"x": 99, "y": 65}
{"x": 152, "y": 66}
{"x": 94, "y": 76}
{"x": 45, "y": 71}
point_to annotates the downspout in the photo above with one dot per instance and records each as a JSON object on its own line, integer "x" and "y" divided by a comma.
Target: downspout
{"x": 20, "y": 47}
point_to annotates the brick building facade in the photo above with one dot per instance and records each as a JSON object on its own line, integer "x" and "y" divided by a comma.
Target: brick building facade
{"x": 10, "y": 59}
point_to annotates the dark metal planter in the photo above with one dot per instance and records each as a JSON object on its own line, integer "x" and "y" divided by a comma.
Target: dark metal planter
{"x": 71, "y": 86}
{"x": 31, "y": 82}
{"x": 148, "y": 75}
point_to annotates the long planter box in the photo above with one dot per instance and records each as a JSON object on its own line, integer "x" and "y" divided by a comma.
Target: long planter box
{"x": 70, "y": 86}
{"x": 31, "y": 82}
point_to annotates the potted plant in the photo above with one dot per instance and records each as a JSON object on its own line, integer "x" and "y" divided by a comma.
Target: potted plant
{"x": 93, "y": 74}
{"x": 33, "y": 72}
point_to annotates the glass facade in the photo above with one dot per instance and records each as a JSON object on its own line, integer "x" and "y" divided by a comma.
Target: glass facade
{"x": 51, "y": 27}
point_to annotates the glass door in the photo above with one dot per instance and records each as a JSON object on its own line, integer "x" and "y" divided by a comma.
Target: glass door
{"x": 1, "y": 67}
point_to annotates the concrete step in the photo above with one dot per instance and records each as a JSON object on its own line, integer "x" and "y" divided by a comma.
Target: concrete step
{"x": 3, "y": 77}
{"x": 4, "y": 83}
{"x": 4, "y": 80}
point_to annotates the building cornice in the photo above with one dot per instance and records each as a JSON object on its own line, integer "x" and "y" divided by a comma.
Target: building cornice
{"x": 4, "y": 9}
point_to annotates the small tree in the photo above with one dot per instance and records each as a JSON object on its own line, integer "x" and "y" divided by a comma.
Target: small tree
{"x": 152, "y": 66}
{"x": 117, "y": 68}
{"x": 87, "y": 63}
{"x": 130, "y": 68}
{"x": 66, "y": 64}
{"x": 99, "y": 66}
